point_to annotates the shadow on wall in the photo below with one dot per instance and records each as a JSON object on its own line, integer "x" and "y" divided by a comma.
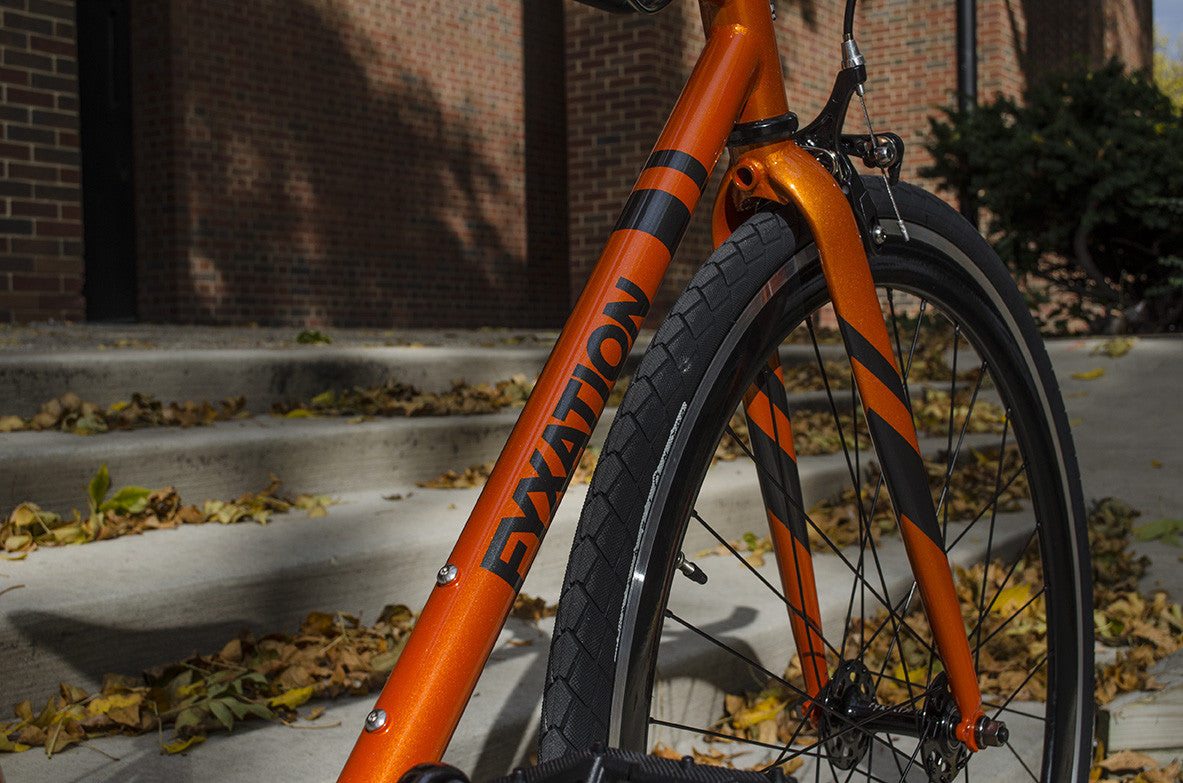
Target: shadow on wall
{"x": 323, "y": 178}
{"x": 1060, "y": 36}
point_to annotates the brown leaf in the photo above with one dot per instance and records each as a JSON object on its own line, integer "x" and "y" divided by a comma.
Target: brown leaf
{"x": 232, "y": 652}
{"x": 526, "y": 607}
{"x": 1128, "y": 761}
{"x": 32, "y": 735}
{"x": 295, "y": 677}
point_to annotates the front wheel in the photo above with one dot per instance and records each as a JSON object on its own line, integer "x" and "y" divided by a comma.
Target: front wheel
{"x": 644, "y": 657}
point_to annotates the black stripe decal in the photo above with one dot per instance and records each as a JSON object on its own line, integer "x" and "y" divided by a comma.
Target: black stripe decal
{"x": 869, "y": 357}
{"x": 687, "y": 164}
{"x": 907, "y": 480}
{"x": 777, "y": 499}
{"x": 775, "y": 400}
{"x": 657, "y": 213}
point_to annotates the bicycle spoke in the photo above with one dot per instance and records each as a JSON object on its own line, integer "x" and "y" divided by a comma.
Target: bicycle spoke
{"x": 1016, "y": 613}
{"x": 1019, "y": 758}
{"x": 796, "y": 503}
{"x": 737, "y": 654}
{"x": 990, "y": 504}
{"x": 851, "y": 469}
{"x": 1005, "y": 580}
{"x": 711, "y": 733}
{"x": 952, "y": 455}
{"x": 848, "y": 725}
{"x": 763, "y": 580}
{"x": 987, "y": 704}
{"x": 990, "y": 534}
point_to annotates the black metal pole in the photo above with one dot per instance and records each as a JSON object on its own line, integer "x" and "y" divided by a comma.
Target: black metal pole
{"x": 967, "y": 82}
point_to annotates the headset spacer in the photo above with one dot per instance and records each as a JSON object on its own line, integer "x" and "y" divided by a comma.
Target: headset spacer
{"x": 763, "y": 131}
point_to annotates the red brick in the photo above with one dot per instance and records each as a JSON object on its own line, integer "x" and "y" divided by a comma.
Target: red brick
{"x": 15, "y": 151}
{"x": 54, "y": 228}
{"x": 15, "y": 95}
{"x": 34, "y": 209}
{"x": 34, "y": 282}
{"x": 14, "y": 76}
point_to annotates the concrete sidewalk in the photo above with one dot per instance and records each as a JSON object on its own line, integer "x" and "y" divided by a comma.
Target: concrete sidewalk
{"x": 1128, "y": 428}
{"x": 1127, "y": 433}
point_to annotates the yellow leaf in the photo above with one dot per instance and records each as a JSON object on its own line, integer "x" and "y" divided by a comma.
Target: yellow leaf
{"x": 915, "y": 676}
{"x": 181, "y": 745}
{"x": 1128, "y": 760}
{"x": 29, "y": 514}
{"x": 1115, "y": 347}
{"x": 70, "y": 534}
{"x": 8, "y": 746}
{"x": 10, "y": 424}
{"x": 1155, "y": 463}
{"x": 1010, "y": 599}
{"x": 17, "y": 542}
{"x": 299, "y": 413}
{"x": 764, "y": 710}
{"x": 107, "y": 703}
{"x": 291, "y": 699}
{"x": 72, "y": 693}
{"x": 1089, "y": 375}
{"x": 325, "y": 399}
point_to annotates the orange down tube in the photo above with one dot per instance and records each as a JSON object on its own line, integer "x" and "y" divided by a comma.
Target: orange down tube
{"x": 423, "y": 699}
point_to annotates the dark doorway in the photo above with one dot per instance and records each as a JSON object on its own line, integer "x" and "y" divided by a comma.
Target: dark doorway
{"x": 544, "y": 90}
{"x": 104, "y": 86}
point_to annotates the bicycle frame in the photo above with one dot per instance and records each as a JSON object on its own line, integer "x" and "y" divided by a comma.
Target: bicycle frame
{"x": 737, "y": 78}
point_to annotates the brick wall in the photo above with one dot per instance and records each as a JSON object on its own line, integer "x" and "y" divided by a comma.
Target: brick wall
{"x": 625, "y": 71}
{"x": 624, "y": 74}
{"x": 318, "y": 162}
{"x": 322, "y": 162}
{"x": 40, "y": 201}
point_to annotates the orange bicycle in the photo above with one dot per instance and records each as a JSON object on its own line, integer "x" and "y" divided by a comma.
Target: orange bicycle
{"x": 925, "y": 612}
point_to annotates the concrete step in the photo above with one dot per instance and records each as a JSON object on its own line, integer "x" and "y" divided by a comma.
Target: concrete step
{"x": 136, "y": 601}
{"x": 207, "y": 582}
{"x": 139, "y": 601}
{"x": 262, "y": 376}
{"x": 226, "y": 459}
{"x": 322, "y": 455}
{"x": 273, "y": 374}
{"x": 1149, "y": 722}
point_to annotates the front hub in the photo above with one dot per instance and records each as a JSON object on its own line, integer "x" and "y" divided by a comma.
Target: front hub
{"x": 850, "y": 717}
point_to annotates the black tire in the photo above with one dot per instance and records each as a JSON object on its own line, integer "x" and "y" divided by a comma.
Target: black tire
{"x": 607, "y": 657}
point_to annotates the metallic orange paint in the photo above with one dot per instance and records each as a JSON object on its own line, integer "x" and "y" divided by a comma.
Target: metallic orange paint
{"x": 785, "y": 173}
{"x": 738, "y": 76}
{"x": 437, "y": 671}
{"x": 793, "y": 558}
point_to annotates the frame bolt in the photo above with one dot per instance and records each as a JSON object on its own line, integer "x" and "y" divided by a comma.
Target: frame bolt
{"x": 878, "y": 234}
{"x": 375, "y": 720}
{"x": 447, "y": 574}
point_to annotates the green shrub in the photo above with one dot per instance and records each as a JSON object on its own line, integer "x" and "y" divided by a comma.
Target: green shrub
{"x": 1081, "y": 185}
